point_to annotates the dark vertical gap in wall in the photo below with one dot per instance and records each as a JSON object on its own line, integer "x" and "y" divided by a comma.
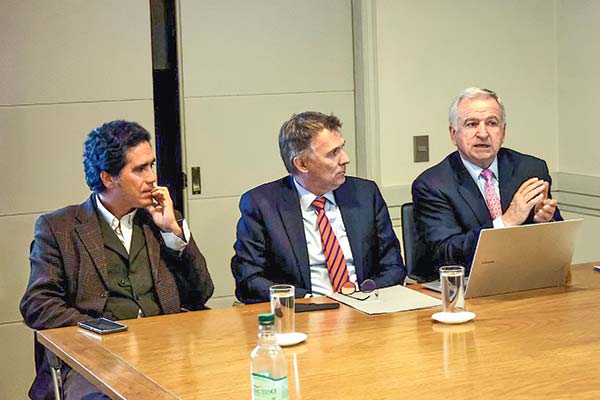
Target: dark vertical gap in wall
{"x": 166, "y": 98}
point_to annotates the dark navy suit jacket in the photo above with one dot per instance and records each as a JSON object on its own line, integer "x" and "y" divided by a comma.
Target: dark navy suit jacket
{"x": 450, "y": 211}
{"x": 271, "y": 245}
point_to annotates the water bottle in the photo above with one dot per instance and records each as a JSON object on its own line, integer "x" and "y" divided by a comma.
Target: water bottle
{"x": 268, "y": 363}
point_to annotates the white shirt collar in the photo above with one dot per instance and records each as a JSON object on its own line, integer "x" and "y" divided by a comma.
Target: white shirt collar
{"x": 307, "y": 197}
{"x": 111, "y": 220}
{"x": 475, "y": 170}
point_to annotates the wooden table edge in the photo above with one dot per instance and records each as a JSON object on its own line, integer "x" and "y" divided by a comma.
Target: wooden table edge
{"x": 116, "y": 379}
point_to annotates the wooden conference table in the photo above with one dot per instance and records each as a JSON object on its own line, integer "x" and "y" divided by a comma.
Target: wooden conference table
{"x": 542, "y": 344}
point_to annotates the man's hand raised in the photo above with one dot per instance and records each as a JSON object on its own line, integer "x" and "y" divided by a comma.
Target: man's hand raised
{"x": 544, "y": 211}
{"x": 530, "y": 194}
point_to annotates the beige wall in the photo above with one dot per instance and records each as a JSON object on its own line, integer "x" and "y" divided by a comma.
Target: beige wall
{"x": 579, "y": 86}
{"x": 66, "y": 67}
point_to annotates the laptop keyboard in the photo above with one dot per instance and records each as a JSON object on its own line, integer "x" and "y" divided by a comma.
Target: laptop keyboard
{"x": 434, "y": 285}
{"x": 437, "y": 285}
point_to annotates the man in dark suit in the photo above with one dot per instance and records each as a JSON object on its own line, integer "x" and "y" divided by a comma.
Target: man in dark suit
{"x": 479, "y": 186}
{"x": 121, "y": 254}
{"x": 316, "y": 228}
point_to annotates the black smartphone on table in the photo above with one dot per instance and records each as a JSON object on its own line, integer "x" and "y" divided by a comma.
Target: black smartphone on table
{"x": 304, "y": 307}
{"x": 102, "y": 326}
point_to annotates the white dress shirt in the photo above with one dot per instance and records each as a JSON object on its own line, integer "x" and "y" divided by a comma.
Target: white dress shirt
{"x": 319, "y": 275}
{"x": 475, "y": 172}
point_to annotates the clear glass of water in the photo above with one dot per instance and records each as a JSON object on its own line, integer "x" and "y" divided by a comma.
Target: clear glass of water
{"x": 452, "y": 279}
{"x": 282, "y": 305}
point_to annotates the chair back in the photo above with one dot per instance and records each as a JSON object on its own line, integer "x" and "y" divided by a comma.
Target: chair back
{"x": 409, "y": 237}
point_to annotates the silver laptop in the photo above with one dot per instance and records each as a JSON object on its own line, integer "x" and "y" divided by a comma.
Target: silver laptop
{"x": 521, "y": 258}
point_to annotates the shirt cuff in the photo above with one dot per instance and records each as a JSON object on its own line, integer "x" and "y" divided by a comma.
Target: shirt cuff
{"x": 174, "y": 242}
{"x": 498, "y": 223}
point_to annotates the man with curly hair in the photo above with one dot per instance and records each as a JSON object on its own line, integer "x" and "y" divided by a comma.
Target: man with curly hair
{"x": 123, "y": 253}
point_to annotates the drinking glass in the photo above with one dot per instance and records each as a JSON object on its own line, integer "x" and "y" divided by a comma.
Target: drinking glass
{"x": 452, "y": 279}
{"x": 282, "y": 305}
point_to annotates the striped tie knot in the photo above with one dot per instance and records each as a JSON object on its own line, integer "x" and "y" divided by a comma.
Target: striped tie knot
{"x": 319, "y": 203}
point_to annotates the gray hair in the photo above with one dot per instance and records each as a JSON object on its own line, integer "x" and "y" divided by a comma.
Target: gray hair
{"x": 297, "y": 133}
{"x": 473, "y": 93}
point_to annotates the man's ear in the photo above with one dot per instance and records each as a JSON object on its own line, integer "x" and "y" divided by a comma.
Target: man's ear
{"x": 452, "y": 134}
{"x": 300, "y": 164}
{"x": 108, "y": 180}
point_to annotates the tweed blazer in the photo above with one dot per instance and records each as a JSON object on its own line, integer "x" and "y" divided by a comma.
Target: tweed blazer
{"x": 69, "y": 273}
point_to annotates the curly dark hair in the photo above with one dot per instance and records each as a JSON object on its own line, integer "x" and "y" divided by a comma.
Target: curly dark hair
{"x": 105, "y": 149}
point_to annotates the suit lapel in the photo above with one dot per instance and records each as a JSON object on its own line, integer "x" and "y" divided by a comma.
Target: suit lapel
{"x": 90, "y": 234}
{"x": 508, "y": 186}
{"x": 349, "y": 206}
{"x": 291, "y": 218}
{"x": 469, "y": 191}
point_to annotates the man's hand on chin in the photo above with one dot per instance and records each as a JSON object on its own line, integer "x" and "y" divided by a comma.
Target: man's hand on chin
{"x": 163, "y": 213}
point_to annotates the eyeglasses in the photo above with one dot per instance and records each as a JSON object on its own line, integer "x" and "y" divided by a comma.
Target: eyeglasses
{"x": 367, "y": 287}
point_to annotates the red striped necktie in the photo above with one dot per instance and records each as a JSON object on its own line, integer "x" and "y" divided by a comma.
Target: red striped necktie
{"x": 334, "y": 257}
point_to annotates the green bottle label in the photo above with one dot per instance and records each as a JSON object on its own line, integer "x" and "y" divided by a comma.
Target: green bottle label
{"x": 267, "y": 388}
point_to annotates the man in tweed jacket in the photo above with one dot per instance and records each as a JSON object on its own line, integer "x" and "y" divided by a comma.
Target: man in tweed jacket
{"x": 121, "y": 254}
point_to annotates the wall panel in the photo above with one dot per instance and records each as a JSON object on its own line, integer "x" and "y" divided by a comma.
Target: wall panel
{"x": 234, "y": 47}
{"x": 216, "y": 218}
{"x": 579, "y": 85}
{"x": 17, "y": 371}
{"x": 17, "y": 233}
{"x": 72, "y": 50}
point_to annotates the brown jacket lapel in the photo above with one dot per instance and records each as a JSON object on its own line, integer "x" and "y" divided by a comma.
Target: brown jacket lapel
{"x": 88, "y": 229}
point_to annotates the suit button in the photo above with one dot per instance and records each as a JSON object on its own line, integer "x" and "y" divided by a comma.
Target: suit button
{"x": 104, "y": 294}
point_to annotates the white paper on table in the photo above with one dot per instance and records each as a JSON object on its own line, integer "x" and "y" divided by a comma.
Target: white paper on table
{"x": 391, "y": 299}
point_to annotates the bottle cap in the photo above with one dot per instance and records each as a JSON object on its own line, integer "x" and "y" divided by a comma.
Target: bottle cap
{"x": 267, "y": 318}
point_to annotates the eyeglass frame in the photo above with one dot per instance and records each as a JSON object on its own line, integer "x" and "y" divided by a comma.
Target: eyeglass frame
{"x": 368, "y": 286}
